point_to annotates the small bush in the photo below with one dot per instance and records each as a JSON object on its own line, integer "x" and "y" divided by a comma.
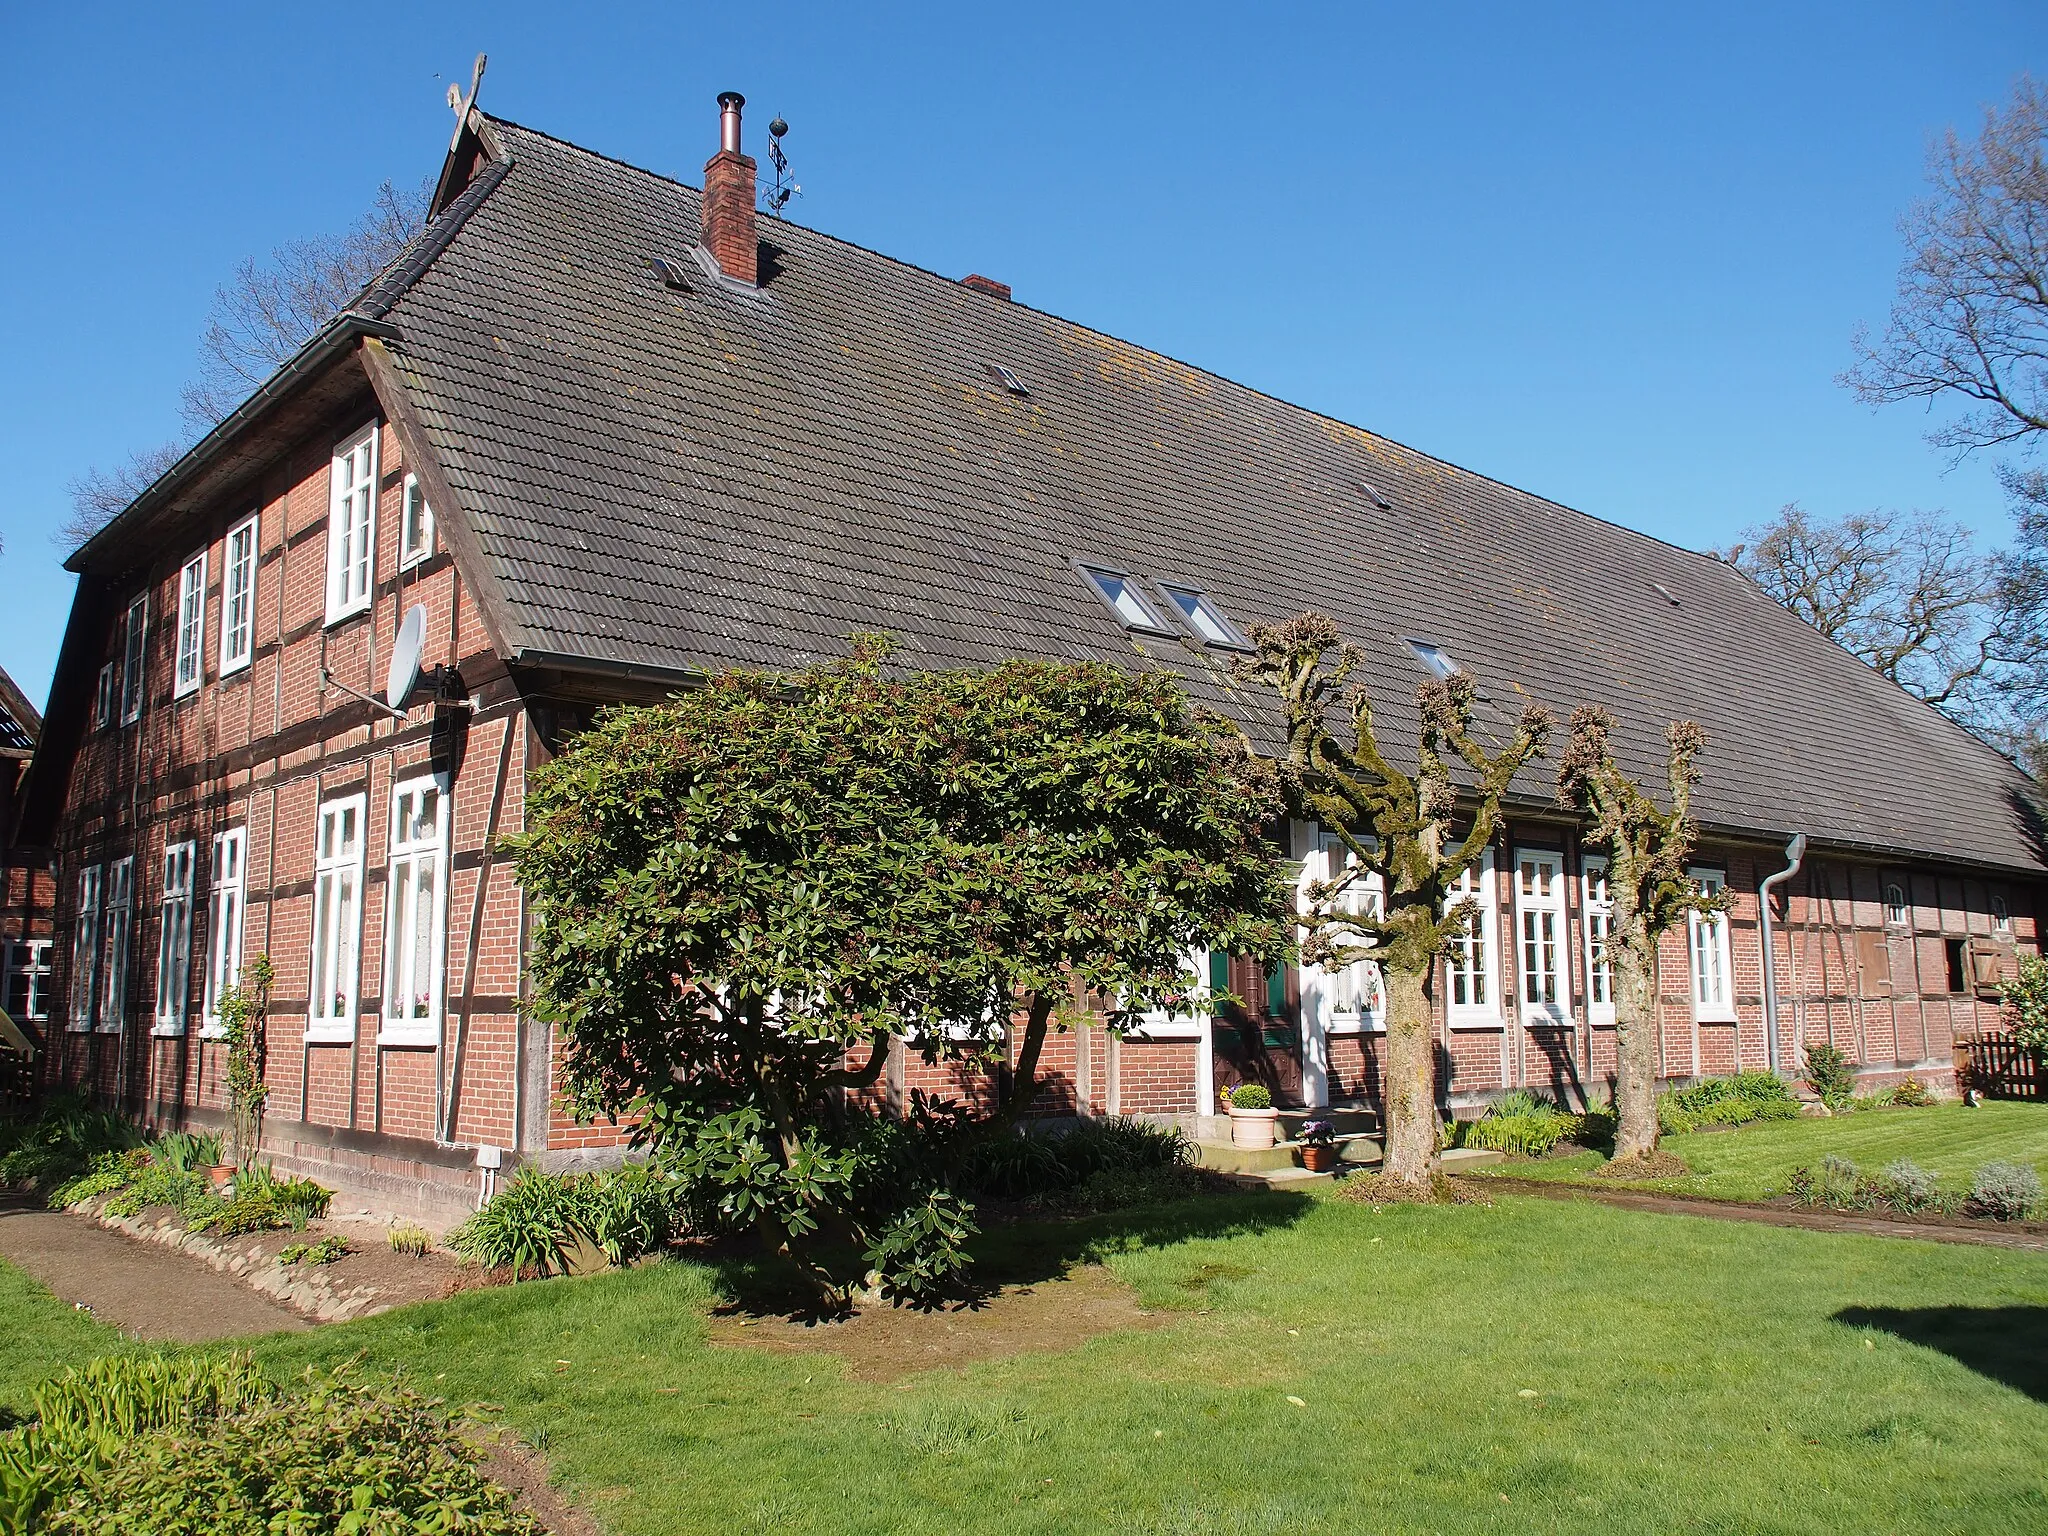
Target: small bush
{"x": 1912, "y": 1094}
{"x": 1524, "y": 1123}
{"x": 922, "y": 1254}
{"x": 1829, "y": 1075}
{"x": 1739, "y": 1100}
{"x": 109, "y": 1171}
{"x": 186, "y": 1151}
{"x": 537, "y": 1221}
{"x": 154, "y": 1184}
{"x": 2005, "y": 1191}
{"x": 326, "y": 1251}
{"x": 61, "y": 1142}
{"x": 1909, "y": 1188}
{"x": 1251, "y": 1096}
{"x": 194, "y": 1445}
{"x": 240, "y": 1216}
{"x": 411, "y": 1239}
{"x": 1023, "y": 1165}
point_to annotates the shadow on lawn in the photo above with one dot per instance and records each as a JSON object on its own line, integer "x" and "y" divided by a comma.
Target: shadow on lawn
{"x": 2008, "y": 1344}
{"x": 1026, "y": 1252}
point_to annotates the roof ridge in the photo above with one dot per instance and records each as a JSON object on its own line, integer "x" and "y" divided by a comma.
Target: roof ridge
{"x": 1168, "y": 357}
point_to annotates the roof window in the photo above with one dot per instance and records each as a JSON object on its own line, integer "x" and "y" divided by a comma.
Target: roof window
{"x": 1125, "y": 600}
{"x": 1374, "y": 496}
{"x": 1436, "y": 661}
{"x": 1008, "y": 380}
{"x": 670, "y": 273}
{"x": 1204, "y": 617}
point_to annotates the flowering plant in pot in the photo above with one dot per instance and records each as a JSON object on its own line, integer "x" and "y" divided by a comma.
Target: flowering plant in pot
{"x": 1252, "y": 1116}
{"x": 1319, "y": 1145}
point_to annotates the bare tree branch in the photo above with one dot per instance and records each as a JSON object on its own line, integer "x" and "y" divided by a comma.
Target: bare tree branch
{"x": 98, "y": 494}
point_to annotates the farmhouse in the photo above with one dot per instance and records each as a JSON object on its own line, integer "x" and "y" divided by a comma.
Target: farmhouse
{"x": 596, "y": 434}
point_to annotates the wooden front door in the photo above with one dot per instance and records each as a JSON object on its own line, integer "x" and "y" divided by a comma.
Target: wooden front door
{"x": 1257, "y": 1040}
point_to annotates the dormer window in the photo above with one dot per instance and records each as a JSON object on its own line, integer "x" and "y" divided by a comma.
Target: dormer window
{"x": 1120, "y": 591}
{"x": 1203, "y": 617}
{"x": 1436, "y": 661}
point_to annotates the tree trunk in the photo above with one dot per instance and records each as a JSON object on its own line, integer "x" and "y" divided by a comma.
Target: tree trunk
{"x": 1409, "y": 1088}
{"x": 1024, "y": 1082}
{"x": 1635, "y": 1046}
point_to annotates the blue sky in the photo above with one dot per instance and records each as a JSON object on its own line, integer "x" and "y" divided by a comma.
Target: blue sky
{"x": 1614, "y": 254}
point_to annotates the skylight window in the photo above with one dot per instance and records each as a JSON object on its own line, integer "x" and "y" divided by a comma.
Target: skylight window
{"x": 1436, "y": 661}
{"x": 1204, "y": 617}
{"x": 1124, "y": 599}
{"x": 1374, "y": 496}
{"x": 670, "y": 273}
{"x": 1008, "y": 380}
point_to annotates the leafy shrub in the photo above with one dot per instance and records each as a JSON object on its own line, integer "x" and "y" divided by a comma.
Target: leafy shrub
{"x": 1014, "y": 1166}
{"x": 2025, "y": 998}
{"x": 922, "y": 1254}
{"x": 1116, "y": 1189}
{"x": 112, "y": 1448}
{"x": 62, "y": 1141}
{"x": 629, "y": 1211}
{"x": 240, "y": 1216}
{"x": 1524, "y": 1123}
{"x": 1829, "y": 1075}
{"x": 186, "y": 1151}
{"x": 326, "y": 1251}
{"x": 109, "y": 1171}
{"x": 2005, "y": 1191}
{"x": 296, "y": 1201}
{"x": 1026, "y": 1164}
{"x": 411, "y": 1239}
{"x": 1251, "y": 1096}
{"x": 1737, "y": 1100}
{"x": 154, "y": 1184}
{"x": 1909, "y": 1188}
{"x": 1912, "y": 1094}
{"x": 530, "y": 1224}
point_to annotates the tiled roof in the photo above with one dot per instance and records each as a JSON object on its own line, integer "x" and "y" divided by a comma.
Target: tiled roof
{"x": 688, "y": 480}
{"x": 19, "y": 722}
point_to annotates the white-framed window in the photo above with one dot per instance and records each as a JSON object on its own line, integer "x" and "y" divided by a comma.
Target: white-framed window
{"x": 1473, "y": 994}
{"x": 415, "y": 525}
{"x": 416, "y": 913}
{"x": 238, "y": 598}
{"x": 1354, "y": 1000}
{"x": 1896, "y": 912}
{"x": 85, "y": 951}
{"x": 1209, "y": 971}
{"x": 191, "y": 626}
{"x": 134, "y": 660}
{"x": 1713, "y": 994}
{"x": 1539, "y": 936}
{"x": 106, "y": 704}
{"x": 1598, "y": 909}
{"x": 25, "y": 986}
{"x": 337, "y": 920}
{"x": 352, "y": 525}
{"x": 174, "y": 939}
{"x": 2001, "y": 914}
{"x": 224, "y": 887}
{"x": 120, "y": 925}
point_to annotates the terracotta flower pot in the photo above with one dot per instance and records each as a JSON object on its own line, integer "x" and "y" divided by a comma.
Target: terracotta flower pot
{"x": 220, "y": 1175}
{"x": 1252, "y": 1127}
{"x": 1319, "y": 1159}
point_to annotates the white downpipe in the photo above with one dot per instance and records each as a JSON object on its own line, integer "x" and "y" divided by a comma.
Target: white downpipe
{"x": 1795, "y": 852}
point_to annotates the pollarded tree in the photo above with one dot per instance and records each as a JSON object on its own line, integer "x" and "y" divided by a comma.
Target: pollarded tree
{"x": 1649, "y": 891}
{"x": 743, "y": 888}
{"x": 1397, "y": 825}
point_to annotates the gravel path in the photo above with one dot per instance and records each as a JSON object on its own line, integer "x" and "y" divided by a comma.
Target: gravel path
{"x": 140, "y": 1288}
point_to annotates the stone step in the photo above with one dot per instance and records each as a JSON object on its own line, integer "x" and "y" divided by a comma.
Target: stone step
{"x": 1224, "y": 1158}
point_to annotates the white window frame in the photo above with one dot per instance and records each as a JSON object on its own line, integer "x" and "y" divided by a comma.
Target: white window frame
{"x": 118, "y": 922}
{"x": 2001, "y": 914}
{"x": 174, "y": 937}
{"x": 239, "y": 555}
{"x": 411, "y": 550}
{"x": 189, "y": 670}
{"x": 1707, "y": 953}
{"x": 106, "y": 703}
{"x": 1158, "y": 1024}
{"x": 336, "y": 968}
{"x": 352, "y": 524}
{"x": 1352, "y": 1001}
{"x": 29, "y": 961}
{"x": 402, "y": 1023}
{"x": 1484, "y": 972}
{"x": 81, "y": 1011}
{"x": 1596, "y": 906}
{"x": 1897, "y": 914}
{"x": 135, "y": 661}
{"x": 227, "y": 882}
{"x": 1540, "y": 927}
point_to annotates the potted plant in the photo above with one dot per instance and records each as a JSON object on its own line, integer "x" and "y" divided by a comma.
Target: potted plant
{"x": 1319, "y": 1145}
{"x": 1252, "y": 1116}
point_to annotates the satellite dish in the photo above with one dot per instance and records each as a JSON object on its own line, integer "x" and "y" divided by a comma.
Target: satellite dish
{"x": 404, "y": 675}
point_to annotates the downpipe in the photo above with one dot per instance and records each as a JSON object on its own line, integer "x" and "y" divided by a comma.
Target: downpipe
{"x": 1795, "y": 852}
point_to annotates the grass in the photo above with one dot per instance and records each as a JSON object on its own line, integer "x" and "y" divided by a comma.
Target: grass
{"x": 1754, "y": 1161}
{"x": 39, "y": 1335}
{"x": 1532, "y": 1366}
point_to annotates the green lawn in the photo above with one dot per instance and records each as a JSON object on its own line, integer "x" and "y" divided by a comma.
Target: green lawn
{"x": 1753, "y": 1162}
{"x": 1532, "y": 1366}
{"x": 38, "y": 1335}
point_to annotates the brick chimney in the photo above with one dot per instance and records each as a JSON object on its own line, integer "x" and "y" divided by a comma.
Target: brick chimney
{"x": 729, "y": 198}
{"x": 986, "y": 285}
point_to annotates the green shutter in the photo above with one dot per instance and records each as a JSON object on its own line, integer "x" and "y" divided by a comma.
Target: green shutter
{"x": 1276, "y": 991}
{"x": 1219, "y": 971}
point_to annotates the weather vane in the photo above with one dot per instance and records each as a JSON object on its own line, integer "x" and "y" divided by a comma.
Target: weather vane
{"x": 775, "y": 196}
